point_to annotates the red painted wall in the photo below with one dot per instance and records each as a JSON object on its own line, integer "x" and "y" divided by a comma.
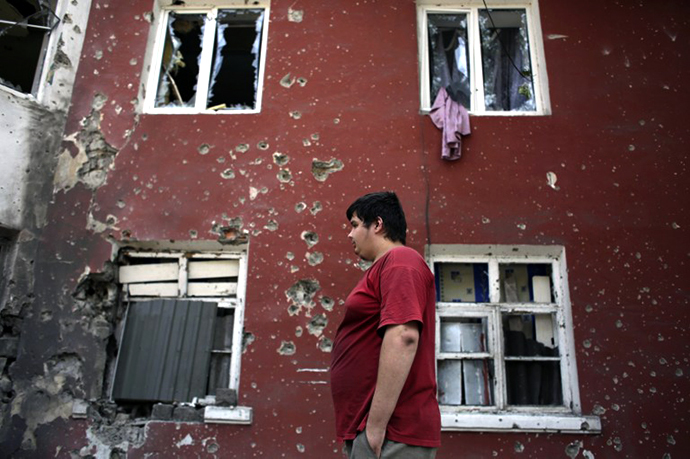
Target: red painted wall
{"x": 617, "y": 140}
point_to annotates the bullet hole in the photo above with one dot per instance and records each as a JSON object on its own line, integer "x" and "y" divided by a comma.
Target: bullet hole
{"x": 317, "y": 324}
{"x": 315, "y": 258}
{"x": 133, "y": 61}
{"x": 204, "y": 148}
{"x": 295, "y": 15}
{"x": 294, "y": 269}
{"x": 280, "y": 159}
{"x": 316, "y": 208}
{"x": 587, "y": 344}
{"x": 519, "y": 447}
{"x": 287, "y": 348}
{"x": 573, "y": 449}
{"x": 262, "y": 145}
{"x": 310, "y": 237}
{"x": 290, "y": 256}
{"x": 301, "y": 81}
{"x": 228, "y": 174}
{"x": 287, "y": 81}
{"x": 327, "y": 303}
{"x": 98, "y": 55}
{"x": 253, "y": 193}
{"x": 284, "y": 175}
{"x": 336, "y": 120}
{"x": 325, "y": 344}
{"x": 301, "y": 294}
{"x": 522, "y": 226}
{"x": 247, "y": 339}
{"x": 322, "y": 169}
{"x": 300, "y": 447}
{"x": 298, "y": 331}
{"x": 272, "y": 225}
{"x": 193, "y": 234}
{"x": 315, "y": 137}
{"x": 242, "y": 148}
{"x": 598, "y": 410}
{"x": 212, "y": 448}
{"x": 306, "y": 142}
{"x": 485, "y": 220}
{"x": 631, "y": 147}
{"x": 551, "y": 180}
{"x": 296, "y": 115}
{"x": 675, "y": 225}
{"x": 121, "y": 204}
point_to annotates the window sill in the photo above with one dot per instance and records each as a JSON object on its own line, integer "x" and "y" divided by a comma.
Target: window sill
{"x": 511, "y": 422}
{"x": 228, "y": 415}
{"x": 426, "y": 111}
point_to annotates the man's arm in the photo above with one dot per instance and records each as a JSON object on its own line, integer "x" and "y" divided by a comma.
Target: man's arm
{"x": 398, "y": 351}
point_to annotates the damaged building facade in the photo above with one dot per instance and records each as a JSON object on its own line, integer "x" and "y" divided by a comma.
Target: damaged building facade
{"x": 173, "y": 240}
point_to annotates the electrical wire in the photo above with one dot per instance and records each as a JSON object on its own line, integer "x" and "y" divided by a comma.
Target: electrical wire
{"x": 522, "y": 73}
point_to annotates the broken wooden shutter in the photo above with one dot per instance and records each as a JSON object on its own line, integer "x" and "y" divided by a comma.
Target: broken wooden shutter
{"x": 165, "y": 351}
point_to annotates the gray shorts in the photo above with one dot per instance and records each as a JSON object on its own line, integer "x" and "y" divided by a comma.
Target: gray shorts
{"x": 359, "y": 449}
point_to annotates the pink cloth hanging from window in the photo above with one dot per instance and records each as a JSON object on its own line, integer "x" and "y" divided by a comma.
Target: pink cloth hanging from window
{"x": 454, "y": 120}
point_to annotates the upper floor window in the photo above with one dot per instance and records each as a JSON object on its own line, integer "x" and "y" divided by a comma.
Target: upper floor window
{"x": 25, "y": 28}
{"x": 209, "y": 61}
{"x": 505, "y": 351}
{"x": 490, "y": 60}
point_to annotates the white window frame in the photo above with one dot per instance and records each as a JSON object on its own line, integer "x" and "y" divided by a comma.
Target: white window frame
{"x": 471, "y": 8}
{"x": 500, "y": 417}
{"x": 212, "y": 413}
{"x": 206, "y": 58}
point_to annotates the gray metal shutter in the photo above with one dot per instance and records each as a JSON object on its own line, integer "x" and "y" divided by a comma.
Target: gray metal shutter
{"x": 165, "y": 351}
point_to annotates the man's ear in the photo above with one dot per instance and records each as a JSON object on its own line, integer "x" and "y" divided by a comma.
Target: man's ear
{"x": 378, "y": 225}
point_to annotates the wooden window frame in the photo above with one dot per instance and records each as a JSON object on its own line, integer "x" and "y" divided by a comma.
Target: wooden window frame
{"x": 471, "y": 8}
{"x": 206, "y": 58}
{"x": 567, "y": 418}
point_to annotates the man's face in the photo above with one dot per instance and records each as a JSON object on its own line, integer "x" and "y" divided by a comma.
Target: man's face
{"x": 362, "y": 238}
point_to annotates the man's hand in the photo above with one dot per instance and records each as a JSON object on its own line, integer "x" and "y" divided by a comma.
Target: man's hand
{"x": 375, "y": 438}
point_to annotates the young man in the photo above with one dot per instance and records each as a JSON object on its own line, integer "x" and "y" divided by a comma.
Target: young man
{"x": 383, "y": 380}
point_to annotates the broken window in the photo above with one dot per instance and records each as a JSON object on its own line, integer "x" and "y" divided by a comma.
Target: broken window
{"x": 25, "y": 26}
{"x": 484, "y": 58}
{"x": 181, "y": 339}
{"x": 503, "y": 335}
{"x": 210, "y": 61}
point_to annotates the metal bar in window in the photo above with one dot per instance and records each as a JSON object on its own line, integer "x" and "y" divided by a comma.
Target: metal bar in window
{"x": 465, "y": 355}
{"x": 207, "y": 47}
{"x": 496, "y": 336}
{"x": 533, "y": 359}
{"x": 477, "y": 74}
{"x": 238, "y": 326}
{"x": 23, "y": 24}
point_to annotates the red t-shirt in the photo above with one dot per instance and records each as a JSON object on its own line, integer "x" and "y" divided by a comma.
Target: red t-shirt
{"x": 397, "y": 288}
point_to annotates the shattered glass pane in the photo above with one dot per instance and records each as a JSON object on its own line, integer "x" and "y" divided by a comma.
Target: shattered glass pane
{"x": 526, "y": 283}
{"x": 236, "y": 57}
{"x": 534, "y": 383}
{"x": 530, "y": 335}
{"x": 462, "y": 282}
{"x": 180, "y": 62}
{"x": 508, "y": 84}
{"x": 448, "y": 56}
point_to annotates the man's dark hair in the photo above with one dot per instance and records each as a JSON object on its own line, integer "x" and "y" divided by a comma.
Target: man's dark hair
{"x": 384, "y": 204}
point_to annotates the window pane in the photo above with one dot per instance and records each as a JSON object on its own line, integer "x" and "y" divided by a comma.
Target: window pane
{"x": 534, "y": 383}
{"x": 236, "y": 57}
{"x": 526, "y": 283}
{"x": 219, "y": 375}
{"x": 462, "y": 282}
{"x": 530, "y": 335}
{"x": 506, "y": 63}
{"x": 180, "y": 61}
{"x": 463, "y": 334}
{"x": 465, "y": 382}
{"x": 448, "y": 56}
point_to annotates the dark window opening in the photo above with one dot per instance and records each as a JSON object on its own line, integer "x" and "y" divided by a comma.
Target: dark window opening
{"x": 180, "y": 65}
{"x": 236, "y": 59}
{"x": 25, "y": 26}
